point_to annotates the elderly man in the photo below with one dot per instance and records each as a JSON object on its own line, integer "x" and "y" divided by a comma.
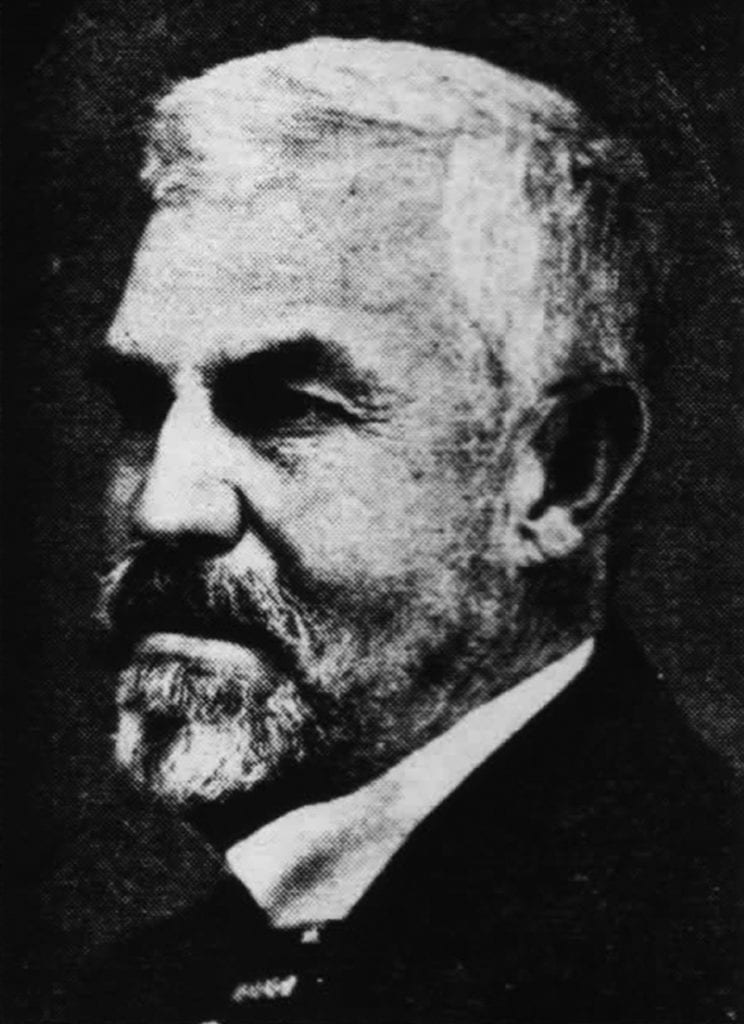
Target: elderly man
{"x": 378, "y": 377}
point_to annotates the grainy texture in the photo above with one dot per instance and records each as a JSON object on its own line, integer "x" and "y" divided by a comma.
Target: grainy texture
{"x": 91, "y": 858}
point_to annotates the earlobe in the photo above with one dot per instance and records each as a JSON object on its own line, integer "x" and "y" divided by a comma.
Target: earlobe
{"x": 575, "y": 467}
{"x": 554, "y": 535}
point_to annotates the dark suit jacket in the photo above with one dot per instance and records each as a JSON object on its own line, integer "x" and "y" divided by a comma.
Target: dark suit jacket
{"x": 584, "y": 873}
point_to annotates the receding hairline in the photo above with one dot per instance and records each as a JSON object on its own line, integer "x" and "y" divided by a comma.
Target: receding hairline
{"x": 427, "y": 70}
{"x": 316, "y": 91}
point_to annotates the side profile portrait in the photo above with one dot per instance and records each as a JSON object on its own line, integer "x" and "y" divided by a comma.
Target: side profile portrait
{"x": 381, "y": 379}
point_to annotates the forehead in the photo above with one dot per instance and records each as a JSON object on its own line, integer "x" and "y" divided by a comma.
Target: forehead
{"x": 362, "y": 236}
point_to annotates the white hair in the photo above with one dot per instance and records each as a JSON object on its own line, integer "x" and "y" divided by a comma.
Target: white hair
{"x": 510, "y": 147}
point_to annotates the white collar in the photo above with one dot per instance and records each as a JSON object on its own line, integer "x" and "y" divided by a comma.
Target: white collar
{"x": 315, "y": 863}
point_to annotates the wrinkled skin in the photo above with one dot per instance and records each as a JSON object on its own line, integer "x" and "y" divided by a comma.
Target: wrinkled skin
{"x": 357, "y": 483}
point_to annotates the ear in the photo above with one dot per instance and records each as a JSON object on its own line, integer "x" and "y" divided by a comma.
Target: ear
{"x": 573, "y": 467}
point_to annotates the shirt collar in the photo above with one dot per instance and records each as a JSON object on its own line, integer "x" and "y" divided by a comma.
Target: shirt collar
{"x": 316, "y": 862}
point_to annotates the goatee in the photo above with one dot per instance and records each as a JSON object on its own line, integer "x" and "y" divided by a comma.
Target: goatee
{"x": 233, "y": 702}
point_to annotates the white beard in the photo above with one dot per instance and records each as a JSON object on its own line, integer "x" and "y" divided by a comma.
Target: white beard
{"x": 185, "y": 749}
{"x": 201, "y": 730}
{"x": 203, "y": 762}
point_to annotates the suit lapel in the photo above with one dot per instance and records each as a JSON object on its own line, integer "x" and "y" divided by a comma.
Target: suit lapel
{"x": 520, "y": 858}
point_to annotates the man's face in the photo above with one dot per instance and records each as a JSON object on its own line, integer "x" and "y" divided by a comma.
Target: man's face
{"x": 307, "y": 488}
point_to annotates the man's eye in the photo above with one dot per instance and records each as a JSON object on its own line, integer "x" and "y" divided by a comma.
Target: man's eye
{"x": 141, "y": 404}
{"x": 277, "y": 411}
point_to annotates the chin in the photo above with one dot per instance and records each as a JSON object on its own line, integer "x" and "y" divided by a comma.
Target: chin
{"x": 197, "y": 763}
{"x": 188, "y": 753}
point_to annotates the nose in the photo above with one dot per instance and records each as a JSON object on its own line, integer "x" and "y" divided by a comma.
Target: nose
{"x": 186, "y": 494}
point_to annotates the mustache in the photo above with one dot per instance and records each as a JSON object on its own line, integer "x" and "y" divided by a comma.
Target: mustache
{"x": 168, "y": 591}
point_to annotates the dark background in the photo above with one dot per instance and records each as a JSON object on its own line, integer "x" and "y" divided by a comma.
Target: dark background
{"x": 82, "y": 856}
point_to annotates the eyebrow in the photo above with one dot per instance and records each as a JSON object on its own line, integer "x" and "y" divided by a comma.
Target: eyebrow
{"x": 298, "y": 360}
{"x": 301, "y": 359}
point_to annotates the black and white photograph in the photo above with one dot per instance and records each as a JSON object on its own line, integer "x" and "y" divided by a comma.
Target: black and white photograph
{"x": 373, "y": 576}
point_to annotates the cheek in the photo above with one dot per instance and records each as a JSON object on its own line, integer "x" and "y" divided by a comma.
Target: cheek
{"x": 377, "y": 514}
